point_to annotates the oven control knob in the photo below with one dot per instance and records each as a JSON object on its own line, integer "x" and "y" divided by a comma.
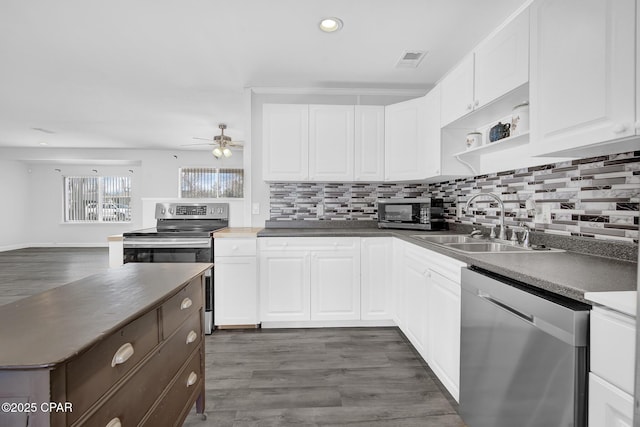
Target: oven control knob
{"x": 171, "y": 210}
{"x": 163, "y": 211}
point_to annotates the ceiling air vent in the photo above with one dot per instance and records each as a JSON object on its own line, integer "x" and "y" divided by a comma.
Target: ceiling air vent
{"x": 411, "y": 58}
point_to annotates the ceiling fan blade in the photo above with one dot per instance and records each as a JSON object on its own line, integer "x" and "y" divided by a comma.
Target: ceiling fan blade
{"x": 203, "y": 139}
{"x": 238, "y": 144}
{"x": 198, "y": 143}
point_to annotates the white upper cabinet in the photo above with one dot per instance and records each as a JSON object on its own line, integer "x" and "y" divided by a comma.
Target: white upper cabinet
{"x": 638, "y": 72}
{"x": 432, "y": 133}
{"x": 457, "y": 92}
{"x": 331, "y": 142}
{"x": 502, "y": 62}
{"x": 369, "y": 143}
{"x": 582, "y": 72}
{"x": 405, "y": 145}
{"x": 285, "y": 142}
{"x": 499, "y": 65}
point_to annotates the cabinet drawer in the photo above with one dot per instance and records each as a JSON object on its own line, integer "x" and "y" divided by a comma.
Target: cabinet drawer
{"x": 613, "y": 343}
{"x": 134, "y": 399}
{"x": 175, "y": 405}
{"x": 308, "y": 243}
{"x": 92, "y": 374}
{"x": 181, "y": 306}
{"x": 234, "y": 247}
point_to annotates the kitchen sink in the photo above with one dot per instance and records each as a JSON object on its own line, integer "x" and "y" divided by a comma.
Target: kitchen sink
{"x": 469, "y": 244}
{"x": 445, "y": 239}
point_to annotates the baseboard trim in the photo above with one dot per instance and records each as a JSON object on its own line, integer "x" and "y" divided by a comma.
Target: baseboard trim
{"x": 68, "y": 245}
{"x": 12, "y": 247}
{"x": 329, "y": 324}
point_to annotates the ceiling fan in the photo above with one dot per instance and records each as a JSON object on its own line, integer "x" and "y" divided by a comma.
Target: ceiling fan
{"x": 222, "y": 141}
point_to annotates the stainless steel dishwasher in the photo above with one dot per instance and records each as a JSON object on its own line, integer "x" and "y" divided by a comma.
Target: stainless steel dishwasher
{"x": 524, "y": 355}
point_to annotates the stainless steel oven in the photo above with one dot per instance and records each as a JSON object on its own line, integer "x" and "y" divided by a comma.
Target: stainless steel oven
{"x": 183, "y": 233}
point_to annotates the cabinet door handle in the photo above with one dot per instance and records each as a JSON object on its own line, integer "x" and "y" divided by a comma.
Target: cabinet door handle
{"x": 193, "y": 377}
{"x": 619, "y": 128}
{"x": 114, "y": 423}
{"x": 234, "y": 248}
{"x": 469, "y": 107}
{"x": 476, "y": 103}
{"x": 186, "y": 303}
{"x": 122, "y": 355}
{"x": 191, "y": 337}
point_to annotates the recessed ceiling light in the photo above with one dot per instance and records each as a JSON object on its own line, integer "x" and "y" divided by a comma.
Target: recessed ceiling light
{"x": 43, "y": 143}
{"x": 329, "y": 25}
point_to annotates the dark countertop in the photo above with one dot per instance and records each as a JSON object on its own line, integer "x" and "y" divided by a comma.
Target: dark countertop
{"x": 566, "y": 273}
{"x": 48, "y": 328}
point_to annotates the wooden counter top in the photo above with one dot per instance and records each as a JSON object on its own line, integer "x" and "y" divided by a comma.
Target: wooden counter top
{"x": 50, "y": 327}
{"x": 237, "y": 232}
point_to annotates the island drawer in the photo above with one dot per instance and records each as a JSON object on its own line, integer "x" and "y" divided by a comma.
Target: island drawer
{"x": 187, "y": 301}
{"x": 181, "y": 394}
{"x": 234, "y": 247}
{"x": 91, "y": 374}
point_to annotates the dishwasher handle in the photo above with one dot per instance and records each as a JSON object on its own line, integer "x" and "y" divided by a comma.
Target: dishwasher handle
{"x": 487, "y": 297}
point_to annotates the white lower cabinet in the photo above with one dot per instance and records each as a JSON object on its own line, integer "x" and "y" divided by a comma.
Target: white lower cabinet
{"x": 285, "y": 286}
{"x": 612, "y": 364}
{"x": 335, "y": 285}
{"x": 416, "y": 277}
{"x": 608, "y": 405}
{"x": 376, "y": 278}
{"x": 309, "y": 279}
{"x": 443, "y": 318}
{"x": 235, "y": 278}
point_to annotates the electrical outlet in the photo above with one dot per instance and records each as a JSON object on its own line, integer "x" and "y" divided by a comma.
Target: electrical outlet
{"x": 320, "y": 209}
{"x": 255, "y": 208}
{"x": 459, "y": 210}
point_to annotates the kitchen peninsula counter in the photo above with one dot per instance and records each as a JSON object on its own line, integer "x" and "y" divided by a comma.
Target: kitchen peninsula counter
{"x": 569, "y": 273}
{"x": 133, "y": 317}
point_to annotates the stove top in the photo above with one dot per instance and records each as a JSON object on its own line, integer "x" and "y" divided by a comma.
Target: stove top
{"x": 185, "y": 220}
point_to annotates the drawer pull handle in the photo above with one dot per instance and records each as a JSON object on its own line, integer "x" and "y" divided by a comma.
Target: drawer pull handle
{"x": 114, "y": 423}
{"x": 122, "y": 355}
{"x": 193, "y": 377}
{"x": 186, "y": 303}
{"x": 191, "y": 337}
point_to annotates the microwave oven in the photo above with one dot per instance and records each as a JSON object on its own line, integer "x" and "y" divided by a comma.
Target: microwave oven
{"x": 413, "y": 214}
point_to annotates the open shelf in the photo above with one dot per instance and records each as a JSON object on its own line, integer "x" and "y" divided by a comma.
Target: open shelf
{"x": 502, "y": 144}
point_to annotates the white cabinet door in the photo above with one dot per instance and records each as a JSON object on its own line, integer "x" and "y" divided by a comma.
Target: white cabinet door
{"x": 582, "y": 69}
{"x": 335, "y": 285}
{"x": 405, "y": 146}
{"x": 331, "y": 142}
{"x": 502, "y": 62}
{"x": 637, "y": 71}
{"x": 457, "y": 92}
{"x": 432, "y": 133}
{"x": 443, "y": 317}
{"x": 416, "y": 272}
{"x": 608, "y": 405}
{"x": 369, "y": 143}
{"x": 285, "y": 142}
{"x": 284, "y": 286}
{"x": 376, "y": 278}
{"x": 235, "y": 291}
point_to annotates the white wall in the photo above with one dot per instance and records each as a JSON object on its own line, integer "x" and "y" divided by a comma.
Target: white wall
{"x": 259, "y": 188}
{"x": 14, "y": 187}
{"x": 154, "y": 176}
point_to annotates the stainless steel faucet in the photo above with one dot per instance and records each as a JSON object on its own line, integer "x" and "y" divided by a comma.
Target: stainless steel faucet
{"x": 503, "y": 232}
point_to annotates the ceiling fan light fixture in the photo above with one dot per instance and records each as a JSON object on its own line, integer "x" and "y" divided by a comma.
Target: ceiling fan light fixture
{"x": 330, "y": 24}
{"x": 217, "y": 152}
{"x": 226, "y": 152}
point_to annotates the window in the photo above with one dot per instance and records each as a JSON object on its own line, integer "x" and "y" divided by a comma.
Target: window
{"x": 97, "y": 198}
{"x": 205, "y": 183}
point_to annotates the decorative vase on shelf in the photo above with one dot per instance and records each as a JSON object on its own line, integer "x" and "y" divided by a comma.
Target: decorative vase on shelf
{"x": 520, "y": 119}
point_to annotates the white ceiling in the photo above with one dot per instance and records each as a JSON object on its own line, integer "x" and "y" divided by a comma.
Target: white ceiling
{"x": 155, "y": 73}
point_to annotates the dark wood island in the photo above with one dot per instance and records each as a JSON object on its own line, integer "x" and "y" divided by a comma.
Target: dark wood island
{"x": 120, "y": 348}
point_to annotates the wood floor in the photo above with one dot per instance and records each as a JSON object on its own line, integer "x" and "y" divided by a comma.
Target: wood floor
{"x": 320, "y": 377}
{"x": 277, "y": 377}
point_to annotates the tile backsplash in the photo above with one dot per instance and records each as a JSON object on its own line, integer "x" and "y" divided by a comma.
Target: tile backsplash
{"x": 594, "y": 197}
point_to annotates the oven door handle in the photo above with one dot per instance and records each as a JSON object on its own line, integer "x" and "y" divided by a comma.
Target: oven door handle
{"x": 158, "y": 243}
